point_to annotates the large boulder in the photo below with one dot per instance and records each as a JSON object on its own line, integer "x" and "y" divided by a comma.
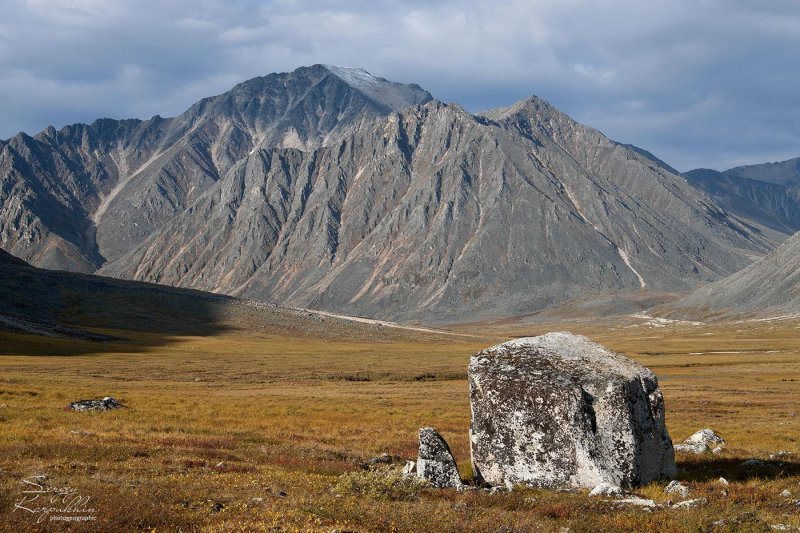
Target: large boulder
{"x": 436, "y": 463}
{"x": 560, "y": 411}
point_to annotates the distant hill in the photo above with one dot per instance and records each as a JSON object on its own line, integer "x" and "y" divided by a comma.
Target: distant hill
{"x": 123, "y": 315}
{"x": 770, "y": 205}
{"x": 781, "y": 173}
{"x": 768, "y": 287}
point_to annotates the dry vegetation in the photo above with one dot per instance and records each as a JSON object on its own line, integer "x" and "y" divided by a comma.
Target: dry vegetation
{"x": 262, "y": 430}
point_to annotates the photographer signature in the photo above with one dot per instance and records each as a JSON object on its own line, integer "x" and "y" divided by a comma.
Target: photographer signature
{"x": 43, "y": 501}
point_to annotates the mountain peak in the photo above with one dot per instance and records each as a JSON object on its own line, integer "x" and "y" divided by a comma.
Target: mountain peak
{"x": 392, "y": 95}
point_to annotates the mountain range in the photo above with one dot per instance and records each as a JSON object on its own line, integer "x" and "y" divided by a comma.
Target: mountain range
{"x": 333, "y": 189}
{"x": 766, "y": 196}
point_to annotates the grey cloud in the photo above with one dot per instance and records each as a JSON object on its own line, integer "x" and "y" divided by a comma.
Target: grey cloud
{"x": 699, "y": 83}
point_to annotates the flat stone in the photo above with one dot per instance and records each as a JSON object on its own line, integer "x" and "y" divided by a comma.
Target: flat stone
{"x": 638, "y": 502}
{"x": 692, "y": 448}
{"x": 103, "y": 404}
{"x": 678, "y": 488}
{"x": 607, "y": 489}
{"x": 689, "y": 504}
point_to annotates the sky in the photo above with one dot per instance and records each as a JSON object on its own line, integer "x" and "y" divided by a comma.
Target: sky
{"x": 700, "y": 83}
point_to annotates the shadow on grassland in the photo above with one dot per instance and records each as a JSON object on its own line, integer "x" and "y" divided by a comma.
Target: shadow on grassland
{"x": 708, "y": 468}
{"x": 46, "y": 312}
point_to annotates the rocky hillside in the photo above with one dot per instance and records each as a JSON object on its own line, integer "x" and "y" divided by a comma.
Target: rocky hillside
{"x": 768, "y": 287}
{"x": 781, "y": 173}
{"x": 437, "y": 212}
{"x": 333, "y": 189}
{"x": 772, "y": 205}
{"x": 76, "y": 198}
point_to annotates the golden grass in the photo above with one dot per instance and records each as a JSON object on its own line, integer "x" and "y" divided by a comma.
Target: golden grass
{"x": 251, "y": 430}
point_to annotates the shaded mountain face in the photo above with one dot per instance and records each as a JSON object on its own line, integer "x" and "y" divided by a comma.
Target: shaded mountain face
{"x": 91, "y": 314}
{"x": 768, "y": 287}
{"x": 76, "y": 198}
{"x": 774, "y": 207}
{"x": 330, "y": 188}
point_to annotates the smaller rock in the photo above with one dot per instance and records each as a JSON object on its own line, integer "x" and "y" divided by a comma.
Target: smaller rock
{"x": 753, "y": 462}
{"x": 281, "y": 494}
{"x": 786, "y": 494}
{"x": 382, "y": 459}
{"x": 723, "y": 481}
{"x": 217, "y": 507}
{"x": 781, "y": 527}
{"x": 676, "y": 487}
{"x": 688, "y": 504}
{"x": 692, "y": 448}
{"x": 607, "y": 489}
{"x": 103, "y": 404}
{"x": 256, "y": 500}
{"x": 639, "y": 502}
{"x": 701, "y": 442}
{"x": 435, "y": 462}
{"x": 410, "y": 468}
{"x": 778, "y": 456}
{"x": 707, "y": 437}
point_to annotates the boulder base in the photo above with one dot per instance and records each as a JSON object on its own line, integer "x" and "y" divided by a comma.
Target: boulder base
{"x": 560, "y": 411}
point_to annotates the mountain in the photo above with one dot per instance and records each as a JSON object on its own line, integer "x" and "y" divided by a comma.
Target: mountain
{"x": 768, "y": 287}
{"x": 330, "y": 188}
{"x": 781, "y": 173}
{"x": 437, "y": 212}
{"x": 76, "y": 198}
{"x": 772, "y": 206}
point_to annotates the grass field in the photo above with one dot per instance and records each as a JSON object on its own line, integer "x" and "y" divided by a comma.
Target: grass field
{"x": 266, "y": 430}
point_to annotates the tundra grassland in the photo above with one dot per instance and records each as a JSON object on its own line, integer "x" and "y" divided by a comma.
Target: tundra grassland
{"x": 268, "y": 431}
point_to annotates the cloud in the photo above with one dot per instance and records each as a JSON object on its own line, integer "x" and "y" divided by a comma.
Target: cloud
{"x": 697, "y": 82}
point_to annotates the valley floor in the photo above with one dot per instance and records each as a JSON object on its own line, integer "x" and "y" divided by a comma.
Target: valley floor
{"x": 260, "y": 430}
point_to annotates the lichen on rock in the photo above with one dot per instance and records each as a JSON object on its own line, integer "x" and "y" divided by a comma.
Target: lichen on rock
{"x": 562, "y": 411}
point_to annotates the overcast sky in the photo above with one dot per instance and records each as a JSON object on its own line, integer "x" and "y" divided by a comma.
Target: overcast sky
{"x": 700, "y": 83}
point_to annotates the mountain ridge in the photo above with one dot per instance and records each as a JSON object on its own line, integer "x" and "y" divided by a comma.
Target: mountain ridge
{"x": 299, "y": 188}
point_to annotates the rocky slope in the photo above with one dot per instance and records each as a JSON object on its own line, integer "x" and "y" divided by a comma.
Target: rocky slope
{"x": 768, "y": 287}
{"x": 773, "y": 206}
{"x": 437, "y": 212}
{"x": 322, "y": 188}
{"x": 781, "y": 173}
{"x": 86, "y": 194}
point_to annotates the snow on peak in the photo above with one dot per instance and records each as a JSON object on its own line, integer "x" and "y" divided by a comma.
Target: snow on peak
{"x": 395, "y": 96}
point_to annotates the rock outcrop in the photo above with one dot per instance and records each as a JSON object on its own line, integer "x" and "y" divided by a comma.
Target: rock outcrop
{"x": 435, "y": 463}
{"x": 561, "y": 411}
{"x": 700, "y": 442}
{"x": 104, "y": 404}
